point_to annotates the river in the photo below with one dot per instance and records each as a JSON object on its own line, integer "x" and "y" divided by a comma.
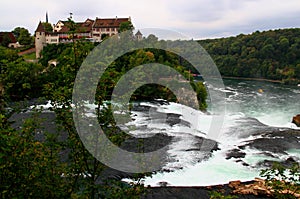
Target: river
{"x": 252, "y": 109}
{"x": 257, "y": 118}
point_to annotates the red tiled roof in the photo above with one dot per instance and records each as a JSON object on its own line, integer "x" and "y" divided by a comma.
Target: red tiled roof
{"x": 87, "y": 25}
{"x": 80, "y": 26}
{"x": 107, "y": 23}
{"x": 10, "y": 35}
{"x": 40, "y": 28}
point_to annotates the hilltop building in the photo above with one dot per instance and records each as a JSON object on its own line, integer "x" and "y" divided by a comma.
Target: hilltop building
{"x": 92, "y": 30}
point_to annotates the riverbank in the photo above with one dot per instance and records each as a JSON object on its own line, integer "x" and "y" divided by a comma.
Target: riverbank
{"x": 253, "y": 79}
{"x": 197, "y": 192}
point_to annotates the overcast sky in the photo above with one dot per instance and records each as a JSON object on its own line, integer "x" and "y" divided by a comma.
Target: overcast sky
{"x": 195, "y": 18}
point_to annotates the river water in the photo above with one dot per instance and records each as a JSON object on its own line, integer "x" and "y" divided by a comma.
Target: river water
{"x": 251, "y": 107}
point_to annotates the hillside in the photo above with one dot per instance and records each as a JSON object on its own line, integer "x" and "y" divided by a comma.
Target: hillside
{"x": 273, "y": 54}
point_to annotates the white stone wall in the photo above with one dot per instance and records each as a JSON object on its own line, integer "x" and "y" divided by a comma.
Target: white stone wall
{"x": 40, "y": 42}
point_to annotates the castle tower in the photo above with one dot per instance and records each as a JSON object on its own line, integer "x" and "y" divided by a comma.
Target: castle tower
{"x": 139, "y": 35}
{"x": 40, "y": 40}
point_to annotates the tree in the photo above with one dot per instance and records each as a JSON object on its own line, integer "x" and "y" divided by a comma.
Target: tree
{"x": 24, "y": 37}
{"x": 124, "y": 26}
{"x": 21, "y": 79}
{"x": 283, "y": 181}
{"x": 5, "y": 40}
{"x": 261, "y": 54}
{"x": 17, "y": 31}
{"x": 48, "y": 27}
{"x": 104, "y": 36}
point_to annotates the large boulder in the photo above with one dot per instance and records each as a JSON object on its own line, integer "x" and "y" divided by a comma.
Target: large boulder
{"x": 296, "y": 120}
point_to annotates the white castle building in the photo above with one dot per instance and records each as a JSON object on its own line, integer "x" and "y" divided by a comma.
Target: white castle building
{"x": 93, "y": 30}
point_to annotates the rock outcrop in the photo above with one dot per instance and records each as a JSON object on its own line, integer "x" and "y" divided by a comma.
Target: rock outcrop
{"x": 258, "y": 188}
{"x": 296, "y": 120}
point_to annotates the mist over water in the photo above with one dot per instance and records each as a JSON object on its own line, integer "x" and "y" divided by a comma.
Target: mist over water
{"x": 251, "y": 107}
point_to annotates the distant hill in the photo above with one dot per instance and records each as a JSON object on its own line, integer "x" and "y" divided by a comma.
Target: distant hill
{"x": 273, "y": 54}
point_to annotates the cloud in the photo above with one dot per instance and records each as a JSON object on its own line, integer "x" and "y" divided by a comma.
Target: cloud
{"x": 198, "y": 18}
{"x": 217, "y": 17}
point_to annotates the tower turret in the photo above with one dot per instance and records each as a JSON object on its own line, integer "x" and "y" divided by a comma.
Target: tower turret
{"x": 46, "y": 17}
{"x": 40, "y": 39}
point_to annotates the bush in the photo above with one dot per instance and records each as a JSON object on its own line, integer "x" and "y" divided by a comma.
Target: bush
{"x": 284, "y": 182}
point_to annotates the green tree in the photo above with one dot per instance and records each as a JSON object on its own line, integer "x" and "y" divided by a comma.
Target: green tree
{"x": 21, "y": 79}
{"x": 124, "y": 26}
{"x": 29, "y": 168}
{"x": 283, "y": 182}
{"x": 260, "y": 54}
{"x": 5, "y": 40}
{"x": 24, "y": 37}
{"x": 17, "y": 32}
{"x": 48, "y": 27}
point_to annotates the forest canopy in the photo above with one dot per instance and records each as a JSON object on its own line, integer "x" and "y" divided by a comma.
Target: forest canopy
{"x": 273, "y": 54}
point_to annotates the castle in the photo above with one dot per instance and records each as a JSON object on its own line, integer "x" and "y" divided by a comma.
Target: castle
{"x": 92, "y": 30}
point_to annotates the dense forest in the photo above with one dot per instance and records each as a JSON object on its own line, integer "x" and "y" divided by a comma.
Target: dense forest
{"x": 273, "y": 54}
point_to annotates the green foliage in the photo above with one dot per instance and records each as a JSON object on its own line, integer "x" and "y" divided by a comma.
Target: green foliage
{"x": 17, "y": 32}
{"x": 21, "y": 79}
{"x": 34, "y": 168}
{"x": 267, "y": 54}
{"x": 29, "y": 168}
{"x": 81, "y": 162}
{"x": 124, "y": 26}
{"x": 23, "y": 36}
{"x": 48, "y": 27}
{"x": 7, "y": 55}
{"x": 31, "y": 56}
{"x": 284, "y": 181}
{"x": 201, "y": 94}
{"x": 116, "y": 189}
{"x": 5, "y": 40}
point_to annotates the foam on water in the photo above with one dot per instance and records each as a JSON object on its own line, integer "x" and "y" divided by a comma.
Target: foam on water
{"x": 248, "y": 111}
{"x": 276, "y": 119}
{"x": 216, "y": 170}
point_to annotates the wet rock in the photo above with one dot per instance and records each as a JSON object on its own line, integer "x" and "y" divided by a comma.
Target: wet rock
{"x": 242, "y": 162}
{"x": 173, "y": 119}
{"x": 146, "y": 145}
{"x": 289, "y": 162}
{"x": 267, "y": 163}
{"x": 276, "y": 142}
{"x": 235, "y": 153}
{"x": 286, "y": 163}
{"x": 296, "y": 120}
